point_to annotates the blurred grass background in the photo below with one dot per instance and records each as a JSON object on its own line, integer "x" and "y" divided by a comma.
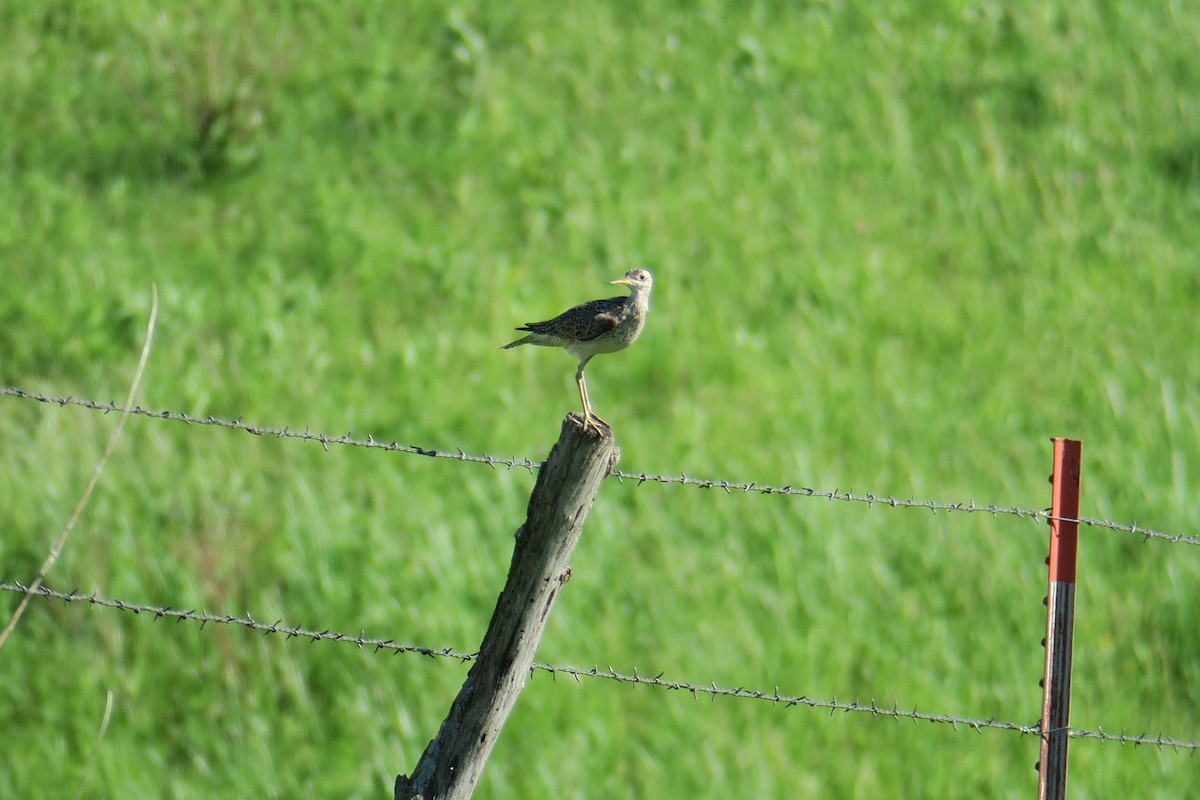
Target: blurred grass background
{"x": 897, "y": 247}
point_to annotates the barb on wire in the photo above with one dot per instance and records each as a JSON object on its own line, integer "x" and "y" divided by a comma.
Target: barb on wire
{"x": 457, "y": 454}
{"x": 711, "y": 689}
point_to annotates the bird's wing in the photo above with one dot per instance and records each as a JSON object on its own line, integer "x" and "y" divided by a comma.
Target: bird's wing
{"x": 585, "y": 321}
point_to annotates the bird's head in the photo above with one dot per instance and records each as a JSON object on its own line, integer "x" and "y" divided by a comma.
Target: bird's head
{"x": 638, "y": 280}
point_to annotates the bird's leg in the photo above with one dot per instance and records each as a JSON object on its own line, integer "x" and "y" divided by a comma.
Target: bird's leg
{"x": 588, "y": 416}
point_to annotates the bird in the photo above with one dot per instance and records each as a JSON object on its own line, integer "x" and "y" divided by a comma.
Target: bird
{"x": 595, "y": 327}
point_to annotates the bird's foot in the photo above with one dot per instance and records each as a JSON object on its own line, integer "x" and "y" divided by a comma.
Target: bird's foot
{"x": 593, "y": 422}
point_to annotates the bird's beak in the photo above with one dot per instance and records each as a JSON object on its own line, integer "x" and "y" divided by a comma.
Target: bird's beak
{"x": 621, "y": 282}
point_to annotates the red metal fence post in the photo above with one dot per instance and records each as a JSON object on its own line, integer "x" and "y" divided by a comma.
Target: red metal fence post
{"x": 1060, "y": 620}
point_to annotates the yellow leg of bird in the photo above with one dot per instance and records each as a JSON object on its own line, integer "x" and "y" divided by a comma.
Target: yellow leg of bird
{"x": 589, "y": 419}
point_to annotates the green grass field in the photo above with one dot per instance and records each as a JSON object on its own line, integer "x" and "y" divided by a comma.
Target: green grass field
{"x": 897, "y": 247}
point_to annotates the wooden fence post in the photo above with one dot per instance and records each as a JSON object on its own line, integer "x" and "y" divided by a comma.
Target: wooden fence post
{"x": 565, "y": 490}
{"x": 1060, "y": 620}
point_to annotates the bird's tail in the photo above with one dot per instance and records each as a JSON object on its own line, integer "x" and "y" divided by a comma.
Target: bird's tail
{"x": 518, "y": 342}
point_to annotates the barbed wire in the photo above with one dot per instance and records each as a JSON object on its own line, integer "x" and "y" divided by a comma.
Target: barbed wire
{"x": 658, "y": 681}
{"x": 280, "y": 433}
{"x": 870, "y": 499}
